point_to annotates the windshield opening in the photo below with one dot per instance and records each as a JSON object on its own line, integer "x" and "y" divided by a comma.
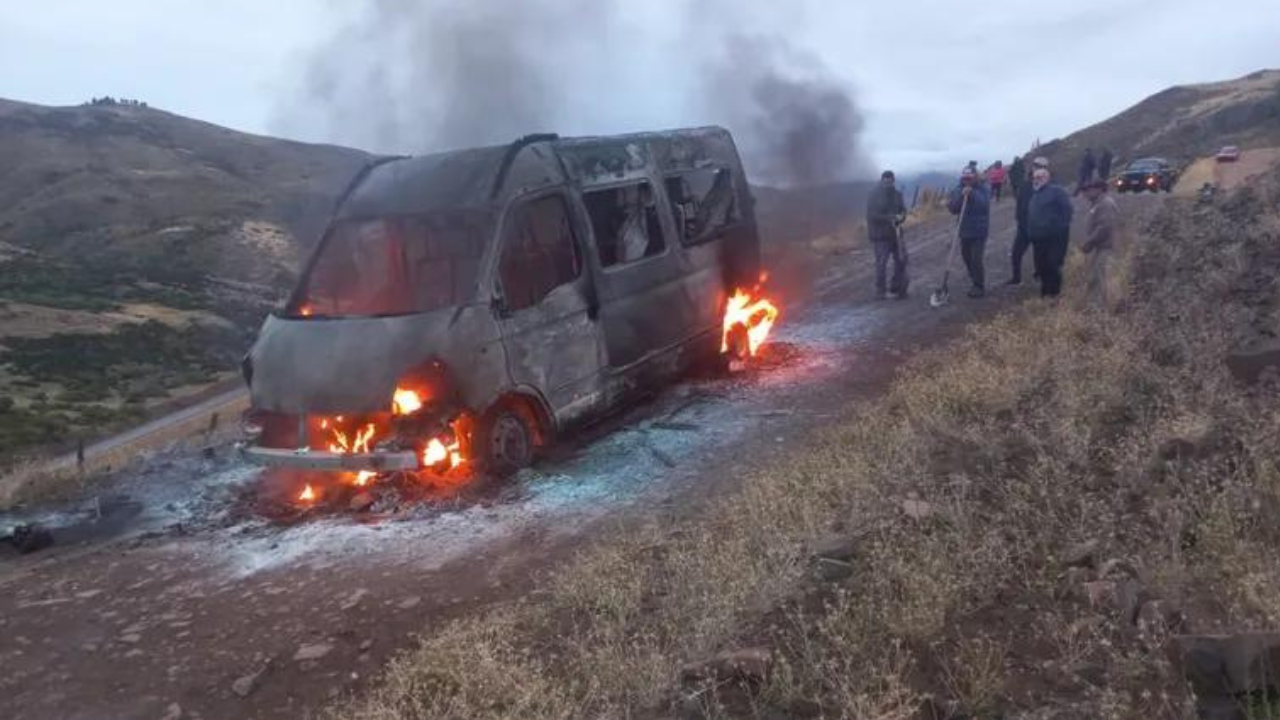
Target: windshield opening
{"x": 390, "y": 266}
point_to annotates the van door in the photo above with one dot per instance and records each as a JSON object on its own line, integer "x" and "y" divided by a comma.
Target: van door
{"x": 643, "y": 306}
{"x": 545, "y": 305}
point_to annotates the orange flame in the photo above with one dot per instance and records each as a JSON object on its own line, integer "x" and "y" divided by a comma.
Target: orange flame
{"x": 406, "y": 402}
{"x": 342, "y": 444}
{"x": 308, "y": 494}
{"x": 437, "y": 453}
{"x": 363, "y": 477}
{"x": 756, "y": 316}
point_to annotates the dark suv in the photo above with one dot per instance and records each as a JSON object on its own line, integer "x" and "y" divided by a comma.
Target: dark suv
{"x": 1147, "y": 174}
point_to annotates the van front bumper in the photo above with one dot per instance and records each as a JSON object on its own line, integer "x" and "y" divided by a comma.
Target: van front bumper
{"x": 320, "y": 460}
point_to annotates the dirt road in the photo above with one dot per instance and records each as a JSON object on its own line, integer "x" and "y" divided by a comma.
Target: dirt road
{"x": 176, "y": 606}
{"x": 225, "y": 405}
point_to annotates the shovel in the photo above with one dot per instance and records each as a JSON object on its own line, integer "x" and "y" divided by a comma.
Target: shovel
{"x": 942, "y": 295}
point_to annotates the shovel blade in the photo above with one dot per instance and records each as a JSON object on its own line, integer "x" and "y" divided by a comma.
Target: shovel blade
{"x": 939, "y": 298}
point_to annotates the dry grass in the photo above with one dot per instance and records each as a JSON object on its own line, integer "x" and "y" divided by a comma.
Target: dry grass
{"x": 1046, "y": 427}
{"x": 33, "y": 480}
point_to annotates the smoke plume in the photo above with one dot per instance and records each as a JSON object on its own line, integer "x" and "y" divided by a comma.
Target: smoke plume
{"x": 797, "y": 125}
{"x": 443, "y": 74}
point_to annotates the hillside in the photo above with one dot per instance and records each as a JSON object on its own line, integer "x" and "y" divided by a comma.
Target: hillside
{"x": 1184, "y": 122}
{"x": 1069, "y": 512}
{"x": 138, "y": 251}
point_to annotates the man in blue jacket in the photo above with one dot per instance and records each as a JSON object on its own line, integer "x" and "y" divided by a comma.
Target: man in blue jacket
{"x": 1049, "y": 227}
{"x": 973, "y": 197}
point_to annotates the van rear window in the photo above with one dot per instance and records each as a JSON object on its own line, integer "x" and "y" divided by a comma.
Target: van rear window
{"x": 702, "y": 202}
{"x": 390, "y": 266}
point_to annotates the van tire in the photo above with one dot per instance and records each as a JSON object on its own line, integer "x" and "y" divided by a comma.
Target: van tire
{"x": 508, "y": 440}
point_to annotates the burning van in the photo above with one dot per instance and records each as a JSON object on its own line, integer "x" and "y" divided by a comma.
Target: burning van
{"x": 469, "y": 306}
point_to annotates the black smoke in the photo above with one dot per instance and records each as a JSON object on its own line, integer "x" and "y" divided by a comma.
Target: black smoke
{"x": 443, "y": 74}
{"x": 797, "y": 124}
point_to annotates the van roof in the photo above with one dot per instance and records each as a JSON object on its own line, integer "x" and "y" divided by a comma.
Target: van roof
{"x": 466, "y": 179}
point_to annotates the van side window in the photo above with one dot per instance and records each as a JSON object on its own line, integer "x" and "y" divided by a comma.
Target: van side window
{"x": 626, "y": 224}
{"x": 702, "y": 202}
{"x": 539, "y": 251}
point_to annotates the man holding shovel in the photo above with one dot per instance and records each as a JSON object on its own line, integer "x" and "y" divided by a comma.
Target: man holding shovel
{"x": 972, "y": 202}
{"x": 885, "y": 214}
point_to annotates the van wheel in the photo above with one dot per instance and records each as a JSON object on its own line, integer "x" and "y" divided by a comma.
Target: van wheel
{"x": 508, "y": 441}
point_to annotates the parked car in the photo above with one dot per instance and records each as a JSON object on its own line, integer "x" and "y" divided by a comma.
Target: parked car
{"x": 1230, "y": 153}
{"x": 1147, "y": 174}
{"x": 485, "y": 300}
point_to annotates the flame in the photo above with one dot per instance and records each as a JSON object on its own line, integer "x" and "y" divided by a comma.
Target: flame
{"x": 437, "y": 453}
{"x": 308, "y": 494}
{"x": 306, "y": 310}
{"x": 755, "y": 315}
{"x": 343, "y": 444}
{"x": 406, "y": 402}
{"x": 363, "y": 477}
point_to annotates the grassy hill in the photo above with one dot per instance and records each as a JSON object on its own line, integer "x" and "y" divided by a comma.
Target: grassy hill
{"x": 1184, "y": 122}
{"x": 138, "y": 251}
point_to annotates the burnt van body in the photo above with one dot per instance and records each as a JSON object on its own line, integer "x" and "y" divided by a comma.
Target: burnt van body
{"x": 525, "y": 289}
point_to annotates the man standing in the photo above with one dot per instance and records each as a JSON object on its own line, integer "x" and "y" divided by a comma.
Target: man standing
{"x": 1049, "y": 227}
{"x": 1022, "y": 199}
{"x": 1099, "y": 240}
{"x": 1104, "y": 164}
{"x": 972, "y": 197}
{"x": 1017, "y": 175}
{"x": 885, "y": 212}
{"x": 1087, "y": 167}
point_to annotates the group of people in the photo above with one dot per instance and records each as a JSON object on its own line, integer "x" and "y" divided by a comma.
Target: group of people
{"x": 1044, "y": 212}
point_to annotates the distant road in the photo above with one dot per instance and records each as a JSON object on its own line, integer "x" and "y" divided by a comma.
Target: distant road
{"x": 193, "y": 418}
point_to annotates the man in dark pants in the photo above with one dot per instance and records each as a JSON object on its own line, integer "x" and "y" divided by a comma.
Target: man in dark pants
{"x": 1018, "y": 175}
{"x": 1104, "y": 165}
{"x": 1088, "y": 166}
{"x": 973, "y": 197}
{"x": 1049, "y": 227}
{"x": 1022, "y": 241}
{"x": 885, "y": 212}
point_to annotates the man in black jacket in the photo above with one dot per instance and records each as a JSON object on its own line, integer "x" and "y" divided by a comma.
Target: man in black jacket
{"x": 1104, "y": 164}
{"x": 1022, "y": 198}
{"x": 1049, "y": 227}
{"x": 1088, "y": 166}
{"x": 885, "y": 212}
{"x": 1017, "y": 175}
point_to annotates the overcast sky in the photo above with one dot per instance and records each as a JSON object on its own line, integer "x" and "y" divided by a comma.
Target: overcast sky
{"x": 938, "y": 82}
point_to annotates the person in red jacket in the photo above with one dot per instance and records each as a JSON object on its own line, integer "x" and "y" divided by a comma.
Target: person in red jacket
{"x": 995, "y": 178}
